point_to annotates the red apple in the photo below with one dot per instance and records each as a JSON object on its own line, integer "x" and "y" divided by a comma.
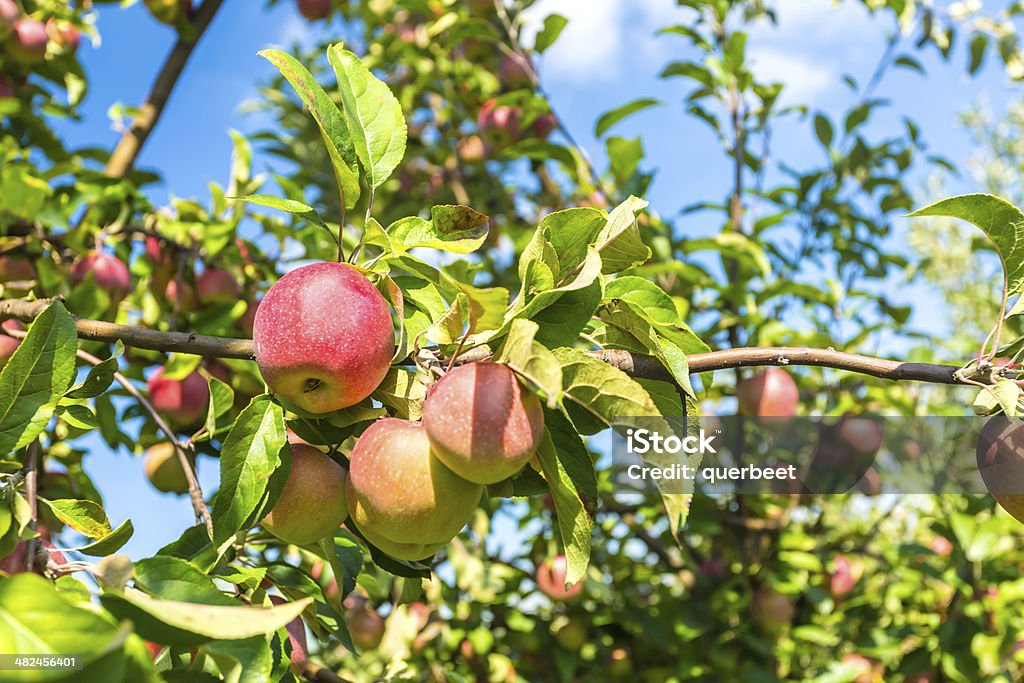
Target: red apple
{"x": 181, "y": 295}
{"x": 297, "y": 637}
{"x": 769, "y": 393}
{"x": 216, "y": 286}
{"x": 402, "y": 498}
{"x": 16, "y": 268}
{"x": 8, "y": 344}
{"x": 163, "y": 469}
{"x": 1000, "y": 455}
{"x": 861, "y": 434}
{"x": 28, "y": 43}
{"x": 846, "y": 575}
{"x": 65, "y": 34}
{"x": 109, "y": 273}
{"x": 154, "y": 649}
{"x": 499, "y": 123}
{"x": 941, "y": 546}
{"x": 543, "y": 125}
{"x": 181, "y": 401}
{"x": 771, "y": 608}
{"x": 514, "y": 73}
{"x": 314, "y": 10}
{"x": 364, "y": 625}
{"x": 482, "y": 423}
{"x": 9, "y": 14}
{"x": 17, "y": 561}
{"x": 323, "y": 337}
{"x": 312, "y": 503}
{"x": 551, "y": 578}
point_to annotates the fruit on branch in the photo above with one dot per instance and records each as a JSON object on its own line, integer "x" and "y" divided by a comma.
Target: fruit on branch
{"x": 941, "y": 546}
{"x": 499, "y": 123}
{"x": 216, "y": 286}
{"x": 551, "y": 576}
{"x": 771, "y": 608}
{"x": 296, "y": 636}
{"x": 181, "y": 295}
{"x": 323, "y": 337}
{"x": 365, "y": 625}
{"x": 163, "y": 469}
{"x": 401, "y": 497}
{"x": 514, "y": 73}
{"x": 845, "y": 577}
{"x": 482, "y": 423}
{"x": 1000, "y": 455}
{"x": 109, "y": 273}
{"x": 181, "y": 401}
{"x": 27, "y": 45}
{"x": 9, "y": 14}
{"x": 8, "y": 344}
{"x": 16, "y": 268}
{"x": 769, "y": 393}
{"x": 312, "y": 503}
{"x": 314, "y": 10}
{"x": 572, "y": 635}
{"x": 543, "y": 126}
{"x": 65, "y": 34}
{"x": 168, "y": 11}
{"x": 472, "y": 148}
{"x": 862, "y": 434}
{"x": 48, "y": 558}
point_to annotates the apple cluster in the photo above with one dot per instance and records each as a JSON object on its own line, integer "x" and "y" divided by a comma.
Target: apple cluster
{"x": 324, "y": 339}
{"x": 28, "y": 40}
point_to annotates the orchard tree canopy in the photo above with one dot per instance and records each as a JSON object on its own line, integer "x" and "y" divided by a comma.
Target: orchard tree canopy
{"x": 391, "y": 361}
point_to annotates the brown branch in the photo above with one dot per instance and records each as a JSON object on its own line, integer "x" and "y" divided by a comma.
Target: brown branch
{"x": 633, "y": 364}
{"x": 31, "y": 494}
{"x": 314, "y": 672}
{"x": 130, "y": 145}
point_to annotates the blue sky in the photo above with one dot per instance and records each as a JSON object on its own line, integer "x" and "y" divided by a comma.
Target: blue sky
{"x": 607, "y": 56}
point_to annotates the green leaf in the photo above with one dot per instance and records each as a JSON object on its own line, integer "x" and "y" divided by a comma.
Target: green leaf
{"x": 619, "y": 240}
{"x": 78, "y": 416}
{"x": 83, "y": 516}
{"x": 624, "y": 157}
{"x": 100, "y": 376}
{"x": 823, "y": 129}
{"x": 109, "y": 543}
{"x": 644, "y": 294}
{"x": 291, "y": 206}
{"x": 242, "y": 661}
{"x": 222, "y": 398}
{"x": 402, "y": 391}
{"x": 602, "y": 391}
{"x": 455, "y": 229}
{"x": 36, "y": 377}
{"x": 554, "y": 24}
{"x": 736, "y": 246}
{"x": 172, "y": 578}
{"x": 532, "y": 360}
{"x": 337, "y": 136}
{"x": 252, "y": 452}
{"x": 374, "y": 116}
{"x": 613, "y": 116}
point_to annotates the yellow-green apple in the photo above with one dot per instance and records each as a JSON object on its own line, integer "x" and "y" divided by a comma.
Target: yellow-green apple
{"x": 109, "y": 272}
{"x": 314, "y": 9}
{"x": 16, "y": 268}
{"x": 312, "y": 503}
{"x": 27, "y": 45}
{"x": 482, "y": 423}
{"x": 9, "y": 14}
{"x": 8, "y": 344}
{"x": 769, "y": 393}
{"x": 163, "y": 469}
{"x": 323, "y": 337}
{"x": 551, "y": 577}
{"x": 572, "y": 635}
{"x": 64, "y": 34}
{"x": 181, "y": 401}
{"x": 365, "y": 625}
{"x": 1000, "y": 454}
{"x": 771, "y": 608}
{"x": 297, "y": 637}
{"x": 401, "y": 497}
{"x": 168, "y": 11}
{"x": 216, "y": 286}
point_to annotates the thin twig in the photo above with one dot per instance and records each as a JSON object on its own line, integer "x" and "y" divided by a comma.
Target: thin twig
{"x": 31, "y": 490}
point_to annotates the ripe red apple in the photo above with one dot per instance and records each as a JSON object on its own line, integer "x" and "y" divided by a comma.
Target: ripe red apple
{"x": 314, "y": 10}
{"x": 769, "y": 393}
{"x": 312, "y": 503}
{"x": 168, "y": 11}
{"x": 543, "y": 125}
{"x": 296, "y": 636}
{"x": 16, "y": 268}
{"x": 28, "y": 43}
{"x": 499, "y": 123}
{"x": 216, "y": 286}
{"x": 154, "y": 649}
{"x": 364, "y": 624}
{"x": 8, "y": 344}
{"x": 771, "y": 608}
{"x": 472, "y": 148}
{"x": 402, "y": 498}
{"x": 17, "y": 561}
{"x": 9, "y": 14}
{"x": 181, "y": 401}
{"x": 861, "y": 434}
{"x": 941, "y": 546}
{"x": 482, "y": 423}
{"x": 109, "y": 272}
{"x": 323, "y": 337}
{"x": 1000, "y": 454}
{"x": 181, "y": 295}
{"x": 513, "y": 73}
{"x": 846, "y": 575}
{"x": 551, "y": 577}
{"x": 65, "y": 34}
{"x": 163, "y": 469}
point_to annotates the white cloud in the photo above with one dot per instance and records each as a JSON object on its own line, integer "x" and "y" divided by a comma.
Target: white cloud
{"x": 295, "y": 29}
{"x": 804, "y": 78}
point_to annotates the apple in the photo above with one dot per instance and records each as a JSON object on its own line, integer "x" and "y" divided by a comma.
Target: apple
{"x": 769, "y": 393}
{"x": 543, "y": 125}
{"x": 168, "y": 11}
{"x": 572, "y": 635}
{"x": 109, "y": 273}
{"x": 402, "y": 498}
{"x": 163, "y": 469}
{"x": 16, "y": 561}
{"x": 5, "y": 89}
{"x": 472, "y": 148}
{"x": 314, "y": 10}
{"x": 868, "y": 670}
{"x": 181, "y": 401}
{"x": 845, "y": 577}
{"x": 499, "y": 123}
{"x": 941, "y": 546}
{"x": 296, "y": 636}
{"x": 312, "y": 503}
{"x": 551, "y": 578}
{"x": 771, "y": 608}
{"x": 64, "y": 34}
{"x": 9, "y": 13}
{"x": 216, "y": 286}
{"x": 364, "y": 624}
{"x": 482, "y": 423}
{"x": 323, "y": 337}
{"x": 861, "y": 434}
{"x": 513, "y": 73}
{"x": 181, "y": 295}
{"x": 1000, "y": 455}
{"x": 28, "y": 43}
{"x": 8, "y": 344}
{"x": 247, "y": 320}
{"x": 154, "y": 649}
{"x": 16, "y": 268}
{"x": 871, "y": 483}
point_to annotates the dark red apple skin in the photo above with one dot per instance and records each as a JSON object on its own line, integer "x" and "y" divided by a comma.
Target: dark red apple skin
{"x": 312, "y": 503}
{"x": 500, "y": 123}
{"x": 28, "y": 43}
{"x": 482, "y": 423}
{"x": 109, "y": 272}
{"x": 543, "y": 126}
{"x": 771, "y": 608}
{"x": 323, "y": 337}
{"x": 314, "y": 10}
{"x": 769, "y": 393}
{"x": 216, "y": 286}
{"x": 551, "y": 576}
{"x": 9, "y": 14}
{"x": 8, "y": 344}
{"x": 365, "y": 626}
{"x": 513, "y": 73}
{"x": 296, "y": 636}
{"x": 1000, "y": 455}
{"x": 845, "y": 577}
{"x": 182, "y": 402}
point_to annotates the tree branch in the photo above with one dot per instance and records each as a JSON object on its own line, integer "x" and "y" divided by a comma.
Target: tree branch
{"x": 130, "y": 145}
{"x": 633, "y": 364}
